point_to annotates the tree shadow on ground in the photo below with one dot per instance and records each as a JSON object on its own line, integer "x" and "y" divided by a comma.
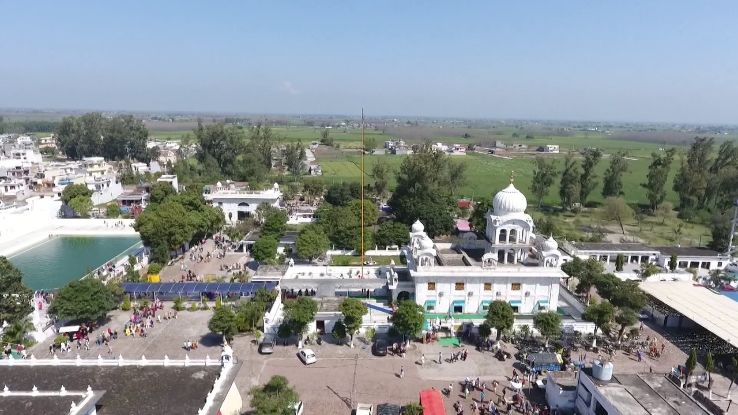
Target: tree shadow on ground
{"x": 211, "y": 339}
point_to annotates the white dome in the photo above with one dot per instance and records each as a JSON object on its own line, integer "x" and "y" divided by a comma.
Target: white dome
{"x": 417, "y": 226}
{"x": 276, "y": 186}
{"x": 509, "y": 200}
{"x": 550, "y": 244}
{"x": 426, "y": 243}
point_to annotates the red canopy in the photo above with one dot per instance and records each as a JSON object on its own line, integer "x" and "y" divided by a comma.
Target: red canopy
{"x": 432, "y": 402}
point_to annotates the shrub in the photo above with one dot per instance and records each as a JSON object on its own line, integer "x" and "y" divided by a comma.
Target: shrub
{"x": 218, "y": 303}
{"x": 204, "y": 306}
{"x": 126, "y": 306}
{"x": 193, "y": 307}
{"x": 178, "y": 304}
{"x": 145, "y": 303}
{"x": 59, "y": 339}
{"x": 370, "y": 333}
{"x": 154, "y": 268}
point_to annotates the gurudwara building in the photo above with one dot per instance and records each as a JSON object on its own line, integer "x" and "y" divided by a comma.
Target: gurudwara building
{"x": 510, "y": 263}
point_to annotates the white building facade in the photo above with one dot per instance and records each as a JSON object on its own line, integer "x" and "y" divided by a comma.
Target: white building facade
{"x": 238, "y": 204}
{"x": 512, "y": 264}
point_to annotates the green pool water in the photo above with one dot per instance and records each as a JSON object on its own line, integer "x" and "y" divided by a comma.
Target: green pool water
{"x": 52, "y": 264}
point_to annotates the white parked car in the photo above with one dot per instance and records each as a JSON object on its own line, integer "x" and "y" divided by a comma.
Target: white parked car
{"x": 299, "y": 409}
{"x": 307, "y": 356}
{"x": 364, "y": 409}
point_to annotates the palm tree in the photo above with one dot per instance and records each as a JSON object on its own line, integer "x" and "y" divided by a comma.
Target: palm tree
{"x": 17, "y": 332}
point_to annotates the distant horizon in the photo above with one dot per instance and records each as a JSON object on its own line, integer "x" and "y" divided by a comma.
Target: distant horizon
{"x": 66, "y": 111}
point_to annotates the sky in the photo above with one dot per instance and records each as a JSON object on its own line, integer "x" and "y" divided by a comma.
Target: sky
{"x": 620, "y": 60}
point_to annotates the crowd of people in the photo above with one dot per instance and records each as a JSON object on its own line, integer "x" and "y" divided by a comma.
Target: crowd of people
{"x": 489, "y": 402}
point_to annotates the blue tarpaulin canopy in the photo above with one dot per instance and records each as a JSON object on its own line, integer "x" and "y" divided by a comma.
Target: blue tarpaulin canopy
{"x": 191, "y": 288}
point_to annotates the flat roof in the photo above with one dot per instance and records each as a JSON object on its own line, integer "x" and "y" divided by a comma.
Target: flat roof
{"x": 689, "y": 251}
{"x": 611, "y": 247}
{"x": 128, "y": 389}
{"x": 711, "y": 310}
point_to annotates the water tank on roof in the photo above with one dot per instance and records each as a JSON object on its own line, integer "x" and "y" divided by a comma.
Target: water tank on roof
{"x": 602, "y": 370}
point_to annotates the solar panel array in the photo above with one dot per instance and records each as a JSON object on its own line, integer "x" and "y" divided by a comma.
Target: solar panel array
{"x": 190, "y": 288}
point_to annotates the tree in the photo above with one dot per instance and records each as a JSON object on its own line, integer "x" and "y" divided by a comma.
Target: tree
{"x": 569, "y": 186}
{"x": 619, "y": 262}
{"x": 81, "y": 205}
{"x": 613, "y": 183}
{"x": 167, "y": 226}
{"x": 600, "y": 314}
{"x": 501, "y": 316}
{"x": 733, "y": 372}
{"x": 74, "y": 190}
{"x": 587, "y": 273}
{"x": 370, "y": 143}
{"x": 299, "y": 313}
{"x": 223, "y": 322}
{"x": 265, "y": 249}
{"x": 629, "y": 295}
{"x": 720, "y": 228}
{"x": 17, "y": 332}
{"x": 381, "y": 172}
{"x": 543, "y": 178}
{"x": 424, "y": 191}
{"x": 339, "y": 331}
{"x": 276, "y": 397}
{"x": 294, "y": 156}
{"x": 616, "y": 210}
{"x": 625, "y": 318}
{"x": 709, "y": 368}
{"x": 408, "y": 318}
{"x": 607, "y": 285}
{"x": 353, "y": 311}
{"x": 648, "y": 269}
{"x": 691, "y": 180}
{"x": 368, "y": 241}
{"x": 392, "y": 233}
{"x": 658, "y": 174}
{"x": 112, "y": 210}
{"x": 691, "y": 363}
{"x": 673, "y": 261}
{"x": 84, "y": 300}
{"x": 548, "y": 324}
{"x": 435, "y": 212}
{"x": 325, "y": 137}
{"x": 160, "y": 192}
{"x": 311, "y": 242}
{"x": 343, "y": 193}
{"x": 15, "y": 297}
{"x": 79, "y": 137}
{"x": 665, "y": 211}
{"x": 275, "y": 223}
{"x": 587, "y": 180}
{"x": 478, "y": 216}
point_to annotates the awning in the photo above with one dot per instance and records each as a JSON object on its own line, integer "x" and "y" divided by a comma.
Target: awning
{"x": 484, "y": 304}
{"x": 458, "y": 303}
{"x": 69, "y": 329}
{"x": 431, "y": 303}
{"x": 542, "y": 303}
{"x": 515, "y": 303}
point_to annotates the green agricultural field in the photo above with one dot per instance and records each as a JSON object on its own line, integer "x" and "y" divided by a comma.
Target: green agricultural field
{"x": 487, "y": 174}
{"x": 350, "y": 138}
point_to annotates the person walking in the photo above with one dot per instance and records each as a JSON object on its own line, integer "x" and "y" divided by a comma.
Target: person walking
{"x": 481, "y": 397}
{"x": 422, "y": 359}
{"x": 440, "y": 358}
{"x": 402, "y": 372}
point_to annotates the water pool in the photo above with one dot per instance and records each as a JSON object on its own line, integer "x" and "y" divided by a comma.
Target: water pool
{"x": 52, "y": 264}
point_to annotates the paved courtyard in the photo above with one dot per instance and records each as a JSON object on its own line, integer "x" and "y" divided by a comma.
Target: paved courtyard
{"x": 343, "y": 375}
{"x": 205, "y": 268}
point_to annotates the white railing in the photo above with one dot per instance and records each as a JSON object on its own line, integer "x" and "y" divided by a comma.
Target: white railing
{"x": 119, "y": 361}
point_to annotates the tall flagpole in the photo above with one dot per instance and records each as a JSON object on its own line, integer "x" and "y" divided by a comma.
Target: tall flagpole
{"x": 362, "y": 193}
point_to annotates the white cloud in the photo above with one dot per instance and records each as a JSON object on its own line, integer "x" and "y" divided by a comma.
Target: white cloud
{"x": 289, "y": 88}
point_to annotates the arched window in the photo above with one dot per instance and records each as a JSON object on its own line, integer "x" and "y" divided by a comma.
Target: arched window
{"x": 503, "y": 235}
{"x": 514, "y": 236}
